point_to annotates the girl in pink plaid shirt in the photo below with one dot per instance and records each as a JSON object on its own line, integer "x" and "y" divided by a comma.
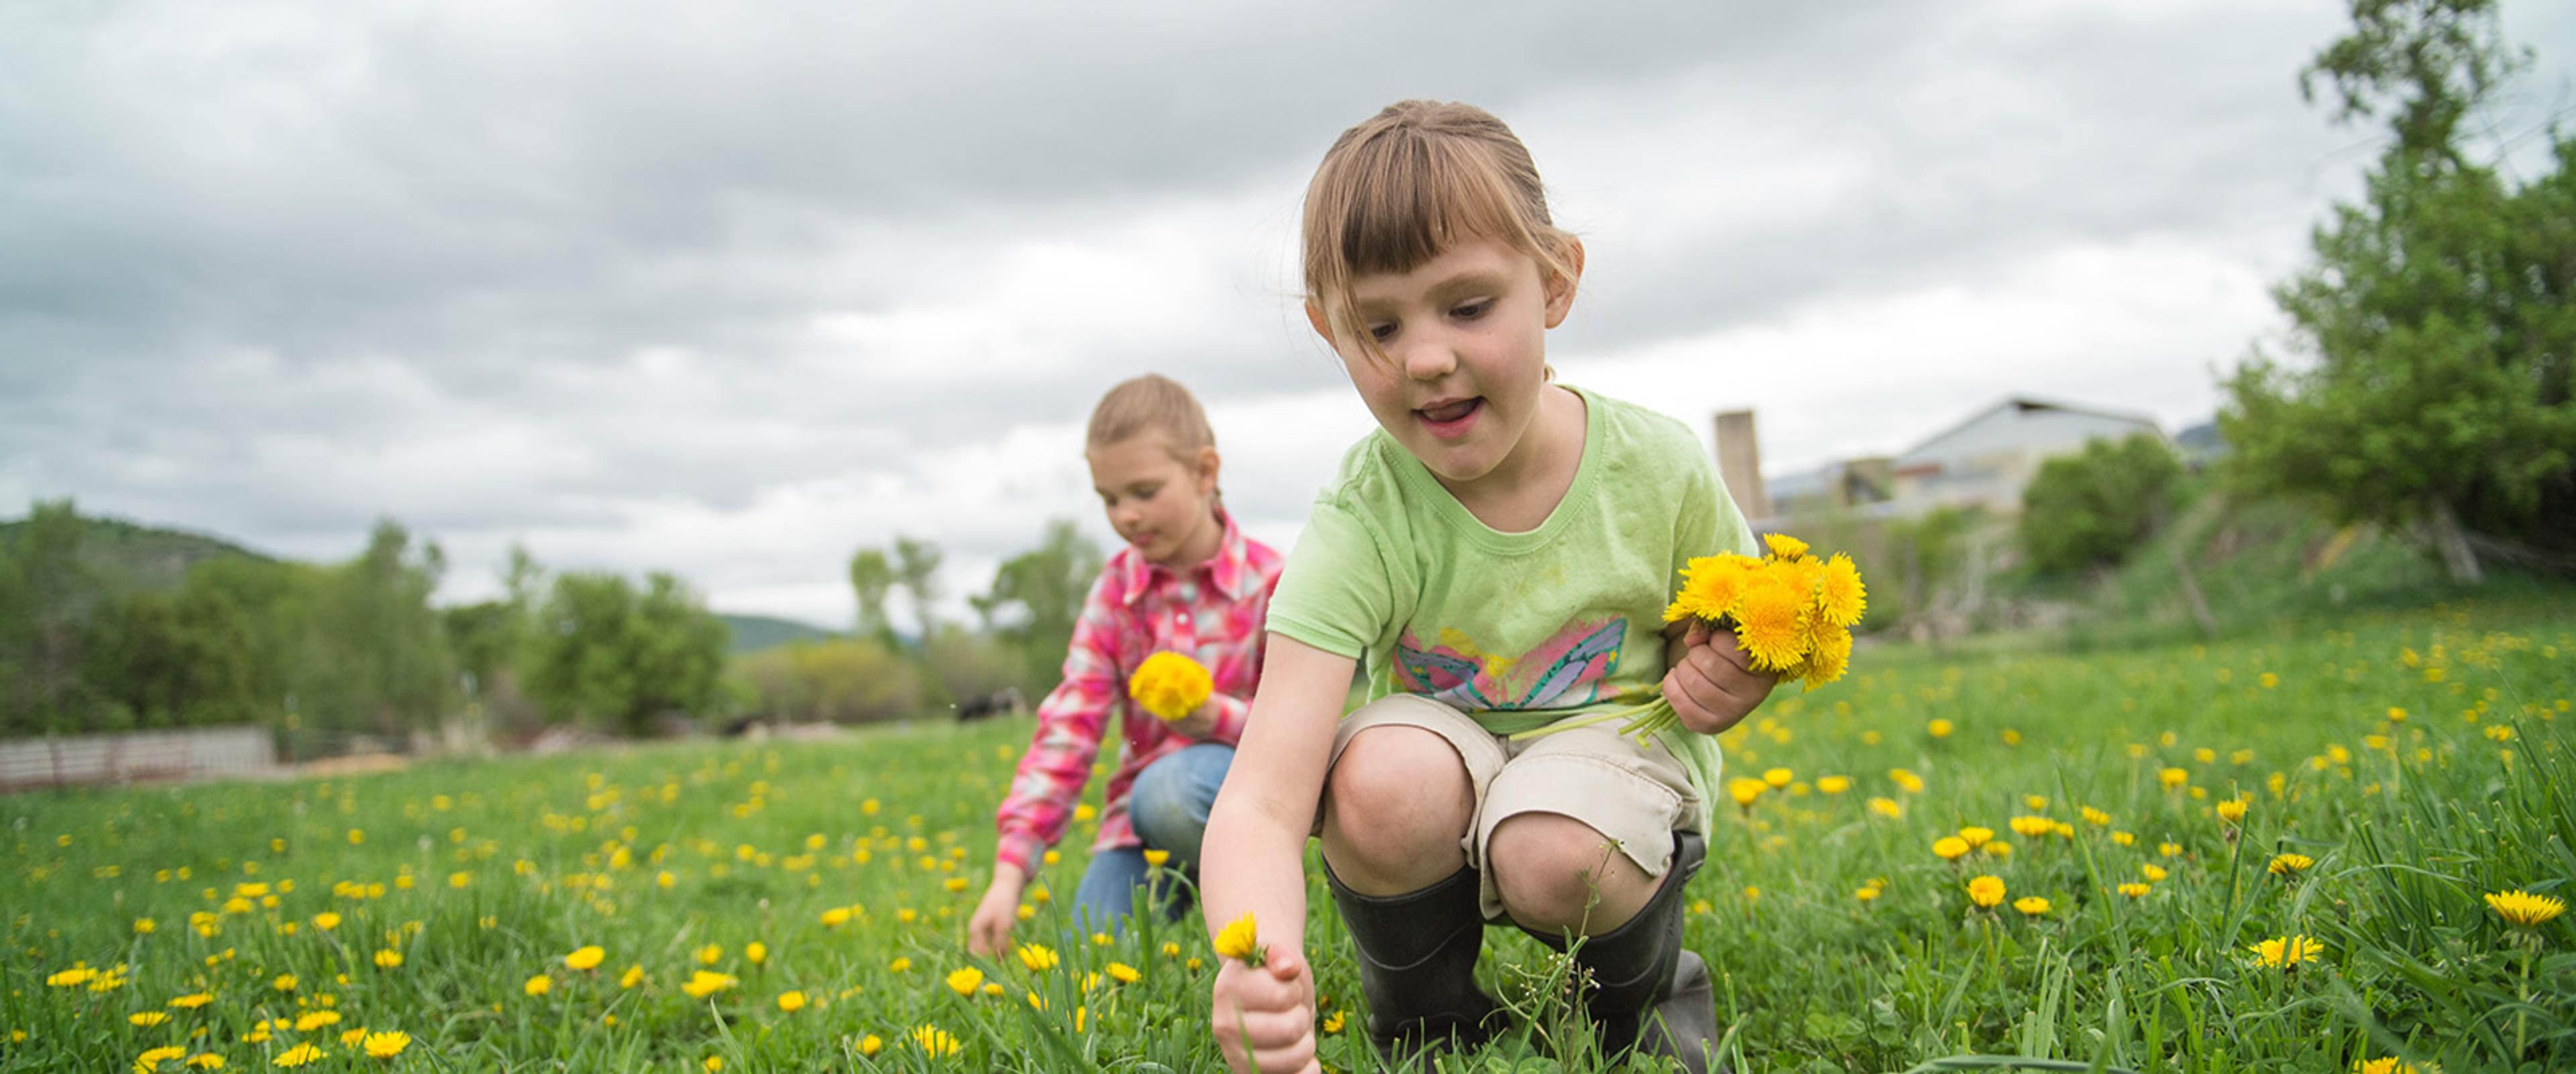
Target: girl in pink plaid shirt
{"x": 1187, "y": 582}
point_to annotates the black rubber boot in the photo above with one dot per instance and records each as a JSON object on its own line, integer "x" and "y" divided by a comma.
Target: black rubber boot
{"x": 1646, "y": 992}
{"x": 1417, "y": 958}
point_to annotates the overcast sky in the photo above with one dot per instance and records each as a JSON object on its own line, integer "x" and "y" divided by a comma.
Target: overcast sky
{"x": 734, "y": 289}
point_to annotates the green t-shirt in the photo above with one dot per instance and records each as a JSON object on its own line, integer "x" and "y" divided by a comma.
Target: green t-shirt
{"x": 1516, "y": 629}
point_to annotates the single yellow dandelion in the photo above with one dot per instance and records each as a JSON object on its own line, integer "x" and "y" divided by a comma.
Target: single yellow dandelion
{"x": 1784, "y": 546}
{"x": 152, "y": 1058}
{"x": 1770, "y": 625}
{"x": 1833, "y": 784}
{"x": 756, "y": 952}
{"x": 388, "y": 959}
{"x": 2135, "y": 890}
{"x": 1239, "y": 940}
{"x": 2173, "y": 777}
{"x": 633, "y": 976}
{"x": 148, "y": 1019}
{"x": 585, "y": 958}
{"x": 1887, "y": 807}
{"x": 538, "y": 985}
{"x": 1939, "y": 728}
{"x": 1039, "y": 958}
{"x": 1711, "y": 586}
{"x": 1746, "y": 791}
{"x": 791, "y": 1002}
{"x": 1975, "y": 836}
{"x": 2030, "y": 827}
{"x": 965, "y": 981}
{"x": 326, "y": 921}
{"x": 1840, "y": 596}
{"x": 385, "y": 1045}
{"x": 1908, "y": 782}
{"x": 193, "y": 1000}
{"x": 206, "y": 1061}
{"x": 1986, "y": 891}
{"x": 2232, "y": 810}
{"x": 299, "y": 1055}
{"x": 1124, "y": 973}
{"x": 1154, "y": 859}
{"x": 2524, "y": 908}
{"x": 704, "y": 983}
{"x": 312, "y": 1020}
{"x": 2031, "y": 905}
{"x": 1950, "y": 847}
{"x": 2290, "y": 864}
{"x": 2287, "y": 952}
{"x": 935, "y": 1042}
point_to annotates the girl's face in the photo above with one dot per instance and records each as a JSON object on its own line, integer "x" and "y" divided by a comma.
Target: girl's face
{"x": 1464, "y": 338}
{"x": 1157, "y": 503}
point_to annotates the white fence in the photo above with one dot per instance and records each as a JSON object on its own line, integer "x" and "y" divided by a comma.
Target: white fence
{"x": 137, "y": 756}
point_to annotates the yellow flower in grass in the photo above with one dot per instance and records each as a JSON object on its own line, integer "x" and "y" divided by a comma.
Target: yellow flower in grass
{"x": 152, "y": 1059}
{"x": 791, "y": 1002}
{"x": 1038, "y": 957}
{"x": 1171, "y": 685}
{"x": 2287, "y": 952}
{"x": 1986, "y": 891}
{"x": 2031, "y": 905}
{"x": 312, "y": 1020}
{"x": 1887, "y": 807}
{"x": 148, "y": 1019}
{"x": 1939, "y": 728}
{"x": 385, "y": 1045}
{"x": 1746, "y": 790}
{"x": 193, "y": 1000}
{"x": 936, "y": 1042}
{"x": 1913, "y": 784}
{"x": 710, "y": 954}
{"x": 1124, "y": 973}
{"x": 870, "y": 1045}
{"x": 2152, "y": 871}
{"x": 2232, "y": 810}
{"x": 1833, "y": 784}
{"x": 388, "y": 959}
{"x": 1154, "y": 859}
{"x": 2135, "y": 890}
{"x": 633, "y": 976}
{"x": 2030, "y": 827}
{"x": 1950, "y": 847}
{"x": 350, "y": 1038}
{"x": 2525, "y": 909}
{"x": 756, "y": 952}
{"x": 899, "y": 965}
{"x": 585, "y": 958}
{"x": 326, "y": 921}
{"x": 2173, "y": 777}
{"x": 206, "y": 1061}
{"x": 965, "y": 981}
{"x": 538, "y": 985}
{"x": 2290, "y": 864}
{"x": 72, "y": 978}
{"x": 704, "y": 983}
{"x": 1239, "y": 940}
{"x": 299, "y": 1055}
{"x": 2387, "y": 1065}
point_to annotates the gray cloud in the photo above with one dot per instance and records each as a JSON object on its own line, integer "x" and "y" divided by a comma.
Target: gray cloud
{"x": 732, "y": 290}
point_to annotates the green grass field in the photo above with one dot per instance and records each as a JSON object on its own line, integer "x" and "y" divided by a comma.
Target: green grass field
{"x": 2418, "y": 762}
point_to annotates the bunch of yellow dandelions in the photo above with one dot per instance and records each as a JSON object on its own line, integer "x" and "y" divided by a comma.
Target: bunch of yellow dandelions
{"x": 1791, "y": 612}
{"x": 1171, "y": 685}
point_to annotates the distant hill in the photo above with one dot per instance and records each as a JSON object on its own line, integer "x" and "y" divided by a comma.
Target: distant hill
{"x": 753, "y": 633}
{"x": 143, "y": 557}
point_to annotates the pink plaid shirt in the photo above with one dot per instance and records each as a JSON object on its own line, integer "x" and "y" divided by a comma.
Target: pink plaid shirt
{"x": 1135, "y": 610}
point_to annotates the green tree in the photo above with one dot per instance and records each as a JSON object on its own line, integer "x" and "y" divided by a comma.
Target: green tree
{"x": 2091, "y": 508}
{"x": 373, "y": 656}
{"x": 2438, "y": 313}
{"x": 916, "y": 569}
{"x": 618, "y": 658}
{"x": 161, "y": 659}
{"x": 47, "y": 597}
{"x": 1036, "y": 596}
{"x": 872, "y": 578}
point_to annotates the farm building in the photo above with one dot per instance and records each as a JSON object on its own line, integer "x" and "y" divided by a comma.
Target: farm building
{"x": 1985, "y": 460}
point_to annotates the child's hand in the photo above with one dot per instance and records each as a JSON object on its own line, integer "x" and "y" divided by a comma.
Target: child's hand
{"x": 1200, "y": 723}
{"x": 1712, "y": 685}
{"x": 1265, "y": 1016}
{"x": 988, "y": 933}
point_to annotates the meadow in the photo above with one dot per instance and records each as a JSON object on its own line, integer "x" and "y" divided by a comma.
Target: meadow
{"x": 2274, "y": 852}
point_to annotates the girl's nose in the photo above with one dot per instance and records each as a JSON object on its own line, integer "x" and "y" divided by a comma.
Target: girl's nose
{"x": 1428, "y": 358}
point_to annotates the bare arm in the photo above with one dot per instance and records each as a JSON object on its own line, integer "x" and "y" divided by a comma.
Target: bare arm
{"x": 1254, "y": 854}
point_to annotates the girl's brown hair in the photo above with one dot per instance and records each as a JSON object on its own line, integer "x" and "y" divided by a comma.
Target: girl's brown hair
{"x": 1396, "y": 190}
{"x": 1152, "y": 403}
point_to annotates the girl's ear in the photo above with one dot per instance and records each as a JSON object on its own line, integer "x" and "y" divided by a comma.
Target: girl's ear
{"x": 1561, "y": 286}
{"x": 1322, "y": 325}
{"x": 1205, "y": 470}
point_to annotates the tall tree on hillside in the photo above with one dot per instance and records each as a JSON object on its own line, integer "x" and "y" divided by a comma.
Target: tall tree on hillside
{"x": 872, "y": 578}
{"x": 47, "y": 596}
{"x": 374, "y": 657}
{"x": 2438, "y": 313}
{"x": 916, "y": 568}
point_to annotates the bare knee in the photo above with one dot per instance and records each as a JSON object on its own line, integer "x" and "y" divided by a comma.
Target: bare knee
{"x": 1396, "y": 808}
{"x": 1556, "y": 873}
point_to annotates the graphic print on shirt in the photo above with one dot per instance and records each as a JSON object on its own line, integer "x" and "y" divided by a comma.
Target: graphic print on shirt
{"x": 1564, "y": 671}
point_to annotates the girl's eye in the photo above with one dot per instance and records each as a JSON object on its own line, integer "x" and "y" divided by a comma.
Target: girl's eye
{"x": 1382, "y": 332}
{"x": 1473, "y": 310}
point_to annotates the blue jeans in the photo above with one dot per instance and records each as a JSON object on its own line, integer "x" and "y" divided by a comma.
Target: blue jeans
{"x": 1169, "y": 807}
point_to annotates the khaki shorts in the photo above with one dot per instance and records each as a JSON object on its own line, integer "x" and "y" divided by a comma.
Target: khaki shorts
{"x": 1636, "y": 795}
